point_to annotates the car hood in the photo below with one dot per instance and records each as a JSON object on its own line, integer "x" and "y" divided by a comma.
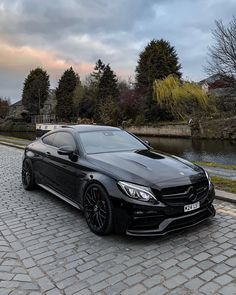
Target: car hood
{"x": 148, "y": 167}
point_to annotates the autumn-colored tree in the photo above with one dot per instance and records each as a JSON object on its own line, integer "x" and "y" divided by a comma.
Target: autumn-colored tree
{"x": 179, "y": 98}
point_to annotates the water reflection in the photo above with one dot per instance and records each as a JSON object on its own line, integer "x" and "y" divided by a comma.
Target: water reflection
{"x": 221, "y": 151}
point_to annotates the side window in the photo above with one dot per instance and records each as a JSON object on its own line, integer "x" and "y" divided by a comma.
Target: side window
{"x": 49, "y": 139}
{"x": 64, "y": 139}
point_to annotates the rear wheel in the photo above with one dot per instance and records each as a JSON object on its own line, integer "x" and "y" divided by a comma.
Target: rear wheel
{"x": 98, "y": 210}
{"x": 28, "y": 175}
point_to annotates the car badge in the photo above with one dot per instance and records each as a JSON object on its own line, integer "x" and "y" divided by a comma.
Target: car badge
{"x": 181, "y": 173}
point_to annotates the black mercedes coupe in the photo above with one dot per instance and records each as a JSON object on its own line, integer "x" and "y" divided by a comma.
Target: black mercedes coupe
{"x": 118, "y": 181}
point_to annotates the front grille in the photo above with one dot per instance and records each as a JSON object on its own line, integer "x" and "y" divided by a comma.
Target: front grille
{"x": 182, "y": 195}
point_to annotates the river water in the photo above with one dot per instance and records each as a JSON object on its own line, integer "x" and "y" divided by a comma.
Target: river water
{"x": 221, "y": 151}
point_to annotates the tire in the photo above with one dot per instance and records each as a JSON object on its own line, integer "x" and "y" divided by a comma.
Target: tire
{"x": 27, "y": 175}
{"x": 98, "y": 210}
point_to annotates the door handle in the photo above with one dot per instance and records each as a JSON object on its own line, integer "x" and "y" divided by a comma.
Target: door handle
{"x": 48, "y": 153}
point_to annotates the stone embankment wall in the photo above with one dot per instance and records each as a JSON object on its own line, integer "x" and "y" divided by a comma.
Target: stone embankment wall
{"x": 215, "y": 129}
{"x": 178, "y": 130}
{"x": 212, "y": 129}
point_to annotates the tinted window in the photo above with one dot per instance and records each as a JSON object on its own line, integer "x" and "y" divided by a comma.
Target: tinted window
{"x": 49, "y": 139}
{"x": 109, "y": 141}
{"x": 63, "y": 139}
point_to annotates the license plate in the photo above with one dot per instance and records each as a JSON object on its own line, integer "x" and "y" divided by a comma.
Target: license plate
{"x": 191, "y": 207}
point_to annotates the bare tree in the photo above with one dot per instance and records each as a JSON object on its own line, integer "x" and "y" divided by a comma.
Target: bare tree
{"x": 222, "y": 55}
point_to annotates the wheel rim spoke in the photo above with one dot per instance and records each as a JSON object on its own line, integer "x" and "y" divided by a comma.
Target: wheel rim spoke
{"x": 26, "y": 175}
{"x": 95, "y": 208}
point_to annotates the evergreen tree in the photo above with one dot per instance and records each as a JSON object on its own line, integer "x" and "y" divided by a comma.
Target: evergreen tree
{"x": 158, "y": 60}
{"x": 35, "y": 90}
{"x": 98, "y": 71}
{"x": 65, "y": 94}
{"x": 4, "y": 107}
{"x": 107, "y": 86}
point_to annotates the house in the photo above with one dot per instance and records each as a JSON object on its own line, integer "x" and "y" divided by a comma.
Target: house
{"x": 16, "y": 109}
{"x": 48, "y": 107}
{"x": 216, "y": 84}
{"x": 50, "y": 104}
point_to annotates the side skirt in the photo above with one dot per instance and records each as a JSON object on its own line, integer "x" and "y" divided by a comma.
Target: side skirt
{"x": 60, "y": 196}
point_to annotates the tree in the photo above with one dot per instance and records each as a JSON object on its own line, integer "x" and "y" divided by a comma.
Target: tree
{"x": 130, "y": 104}
{"x": 64, "y": 95}
{"x": 107, "y": 86}
{"x": 109, "y": 111}
{"x": 158, "y": 60}
{"x": 78, "y": 95}
{"x": 222, "y": 55}
{"x": 4, "y": 107}
{"x": 35, "y": 90}
{"x": 87, "y": 104}
{"x": 180, "y": 98}
{"x": 98, "y": 71}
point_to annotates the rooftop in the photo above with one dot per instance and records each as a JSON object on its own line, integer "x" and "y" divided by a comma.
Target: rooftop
{"x": 84, "y": 127}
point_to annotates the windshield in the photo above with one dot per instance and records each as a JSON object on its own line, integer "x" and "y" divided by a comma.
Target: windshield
{"x": 109, "y": 141}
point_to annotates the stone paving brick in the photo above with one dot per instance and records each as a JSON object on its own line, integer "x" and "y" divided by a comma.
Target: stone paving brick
{"x": 223, "y": 280}
{"x": 115, "y": 289}
{"x": 175, "y": 281}
{"x": 135, "y": 290}
{"x": 192, "y": 272}
{"x": 229, "y": 289}
{"x": 160, "y": 290}
{"x": 46, "y": 248}
{"x": 22, "y": 278}
{"x": 209, "y": 288}
{"x": 194, "y": 284}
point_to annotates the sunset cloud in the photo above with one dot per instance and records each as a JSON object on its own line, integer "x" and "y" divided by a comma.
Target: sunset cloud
{"x": 58, "y": 34}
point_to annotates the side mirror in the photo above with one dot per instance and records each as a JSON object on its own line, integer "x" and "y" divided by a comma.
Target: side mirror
{"x": 66, "y": 150}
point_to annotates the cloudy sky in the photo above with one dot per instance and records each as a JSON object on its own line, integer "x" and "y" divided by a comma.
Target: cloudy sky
{"x": 60, "y": 33}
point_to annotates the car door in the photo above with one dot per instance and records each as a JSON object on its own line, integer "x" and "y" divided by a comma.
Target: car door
{"x": 42, "y": 169}
{"x": 62, "y": 167}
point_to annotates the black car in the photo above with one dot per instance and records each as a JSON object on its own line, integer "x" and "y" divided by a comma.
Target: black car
{"x": 118, "y": 180}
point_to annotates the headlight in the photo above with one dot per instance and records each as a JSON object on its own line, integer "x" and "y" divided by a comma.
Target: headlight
{"x": 137, "y": 192}
{"x": 208, "y": 177}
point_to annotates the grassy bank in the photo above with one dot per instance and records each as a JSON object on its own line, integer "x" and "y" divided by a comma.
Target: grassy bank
{"x": 224, "y": 184}
{"x": 9, "y": 126}
{"x": 216, "y": 165}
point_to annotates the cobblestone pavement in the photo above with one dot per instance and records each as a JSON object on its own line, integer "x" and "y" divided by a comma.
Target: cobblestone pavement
{"x": 46, "y": 248}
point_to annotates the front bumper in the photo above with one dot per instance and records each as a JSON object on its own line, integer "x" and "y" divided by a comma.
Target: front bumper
{"x": 175, "y": 223}
{"x": 151, "y": 220}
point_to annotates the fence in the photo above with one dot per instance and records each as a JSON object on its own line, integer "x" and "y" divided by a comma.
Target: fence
{"x": 37, "y": 119}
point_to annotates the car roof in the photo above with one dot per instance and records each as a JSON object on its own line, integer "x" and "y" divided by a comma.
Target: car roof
{"x": 84, "y": 128}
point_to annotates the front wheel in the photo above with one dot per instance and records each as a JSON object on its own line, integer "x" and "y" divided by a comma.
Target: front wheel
{"x": 27, "y": 175}
{"x": 98, "y": 210}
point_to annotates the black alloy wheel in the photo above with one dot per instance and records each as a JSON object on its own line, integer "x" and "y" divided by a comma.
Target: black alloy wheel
{"x": 98, "y": 210}
{"x": 27, "y": 175}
